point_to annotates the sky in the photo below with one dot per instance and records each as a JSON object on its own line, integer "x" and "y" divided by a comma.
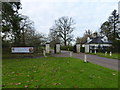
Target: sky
{"x": 87, "y": 14}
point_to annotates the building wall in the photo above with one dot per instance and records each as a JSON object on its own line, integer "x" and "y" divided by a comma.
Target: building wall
{"x": 100, "y": 44}
{"x": 83, "y": 45}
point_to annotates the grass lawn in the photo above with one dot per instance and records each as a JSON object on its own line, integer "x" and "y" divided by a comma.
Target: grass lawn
{"x": 9, "y": 55}
{"x": 114, "y": 55}
{"x": 56, "y": 72}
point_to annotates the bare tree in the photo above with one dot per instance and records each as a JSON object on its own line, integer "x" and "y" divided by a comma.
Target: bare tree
{"x": 63, "y": 28}
{"x": 25, "y": 25}
{"x": 87, "y": 33}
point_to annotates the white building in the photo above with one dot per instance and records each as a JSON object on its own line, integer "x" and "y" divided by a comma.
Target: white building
{"x": 98, "y": 42}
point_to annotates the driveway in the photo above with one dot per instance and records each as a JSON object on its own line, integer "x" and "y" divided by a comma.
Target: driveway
{"x": 105, "y": 62}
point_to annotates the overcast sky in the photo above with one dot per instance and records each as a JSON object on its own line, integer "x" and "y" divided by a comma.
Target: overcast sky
{"x": 87, "y": 14}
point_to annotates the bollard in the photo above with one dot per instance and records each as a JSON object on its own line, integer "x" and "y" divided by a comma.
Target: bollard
{"x": 70, "y": 54}
{"x": 95, "y": 51}
{"x": 110, "y": 53}
{"x": 105, "y": 53}
{"x": 85, "y": 58}
{"x": 90, "y": 51}
{"x": 44, "y": 53}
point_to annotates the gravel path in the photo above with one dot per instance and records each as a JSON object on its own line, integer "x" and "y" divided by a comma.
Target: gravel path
{"x": 106, "y": 62}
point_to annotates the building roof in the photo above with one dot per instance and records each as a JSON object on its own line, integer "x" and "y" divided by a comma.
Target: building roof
{"x": 98, "y": 40}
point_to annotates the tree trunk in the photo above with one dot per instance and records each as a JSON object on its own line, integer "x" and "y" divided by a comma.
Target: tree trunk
{"x": 23, "y": 38}
{"x": 65, "y": 42}
{"x": 114, "y": 31}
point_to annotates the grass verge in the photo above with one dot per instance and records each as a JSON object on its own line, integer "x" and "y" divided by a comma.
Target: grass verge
{"x": 56, "y": 72}
{"x": 113, "y": 56}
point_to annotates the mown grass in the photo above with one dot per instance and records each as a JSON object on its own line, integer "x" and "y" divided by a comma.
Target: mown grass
{"x": 114, "y": 55}
{"x": 56, "y": 72}
{"x": 31, "y": 55}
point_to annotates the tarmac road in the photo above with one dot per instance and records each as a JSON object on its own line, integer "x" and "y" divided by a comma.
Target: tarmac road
{"x": 105, "y": 62}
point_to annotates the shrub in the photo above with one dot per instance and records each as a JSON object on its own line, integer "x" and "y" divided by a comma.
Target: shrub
{"x": 39, "y": 49}
{"x": 116, "y": 46}
{"x": 82, "y": 49}
{"x": 67, "y": 48}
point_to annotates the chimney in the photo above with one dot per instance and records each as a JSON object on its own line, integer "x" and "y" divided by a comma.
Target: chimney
{"x": 95, "y": 34}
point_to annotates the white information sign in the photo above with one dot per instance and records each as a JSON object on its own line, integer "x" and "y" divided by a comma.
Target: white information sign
{"x": 22, "y": 49}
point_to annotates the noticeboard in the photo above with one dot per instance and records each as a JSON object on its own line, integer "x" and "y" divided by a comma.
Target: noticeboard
{"x": 22, "y": 49}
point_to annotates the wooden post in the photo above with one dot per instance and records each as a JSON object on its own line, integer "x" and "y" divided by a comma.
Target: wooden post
{"x": 110, "y": 53}
{"x": 44, "y": 54}
{"x": 95, "y": 51}
{"x": 70, "y": 54}
{"x": 105, "y": 53}
{"x": 85, "y": 58}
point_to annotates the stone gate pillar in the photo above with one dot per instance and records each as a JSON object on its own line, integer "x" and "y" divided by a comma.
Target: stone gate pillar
{"x": 47, "y": 47}
{"x": 57, "y": 48}
{"x": 78, "y": 48}
{"x": 86, "y": 48}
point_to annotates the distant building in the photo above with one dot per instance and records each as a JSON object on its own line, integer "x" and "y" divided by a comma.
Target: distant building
{"x": 97, "y": 42}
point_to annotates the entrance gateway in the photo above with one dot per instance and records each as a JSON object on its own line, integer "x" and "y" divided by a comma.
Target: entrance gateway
{"x": 56, "y": 48}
